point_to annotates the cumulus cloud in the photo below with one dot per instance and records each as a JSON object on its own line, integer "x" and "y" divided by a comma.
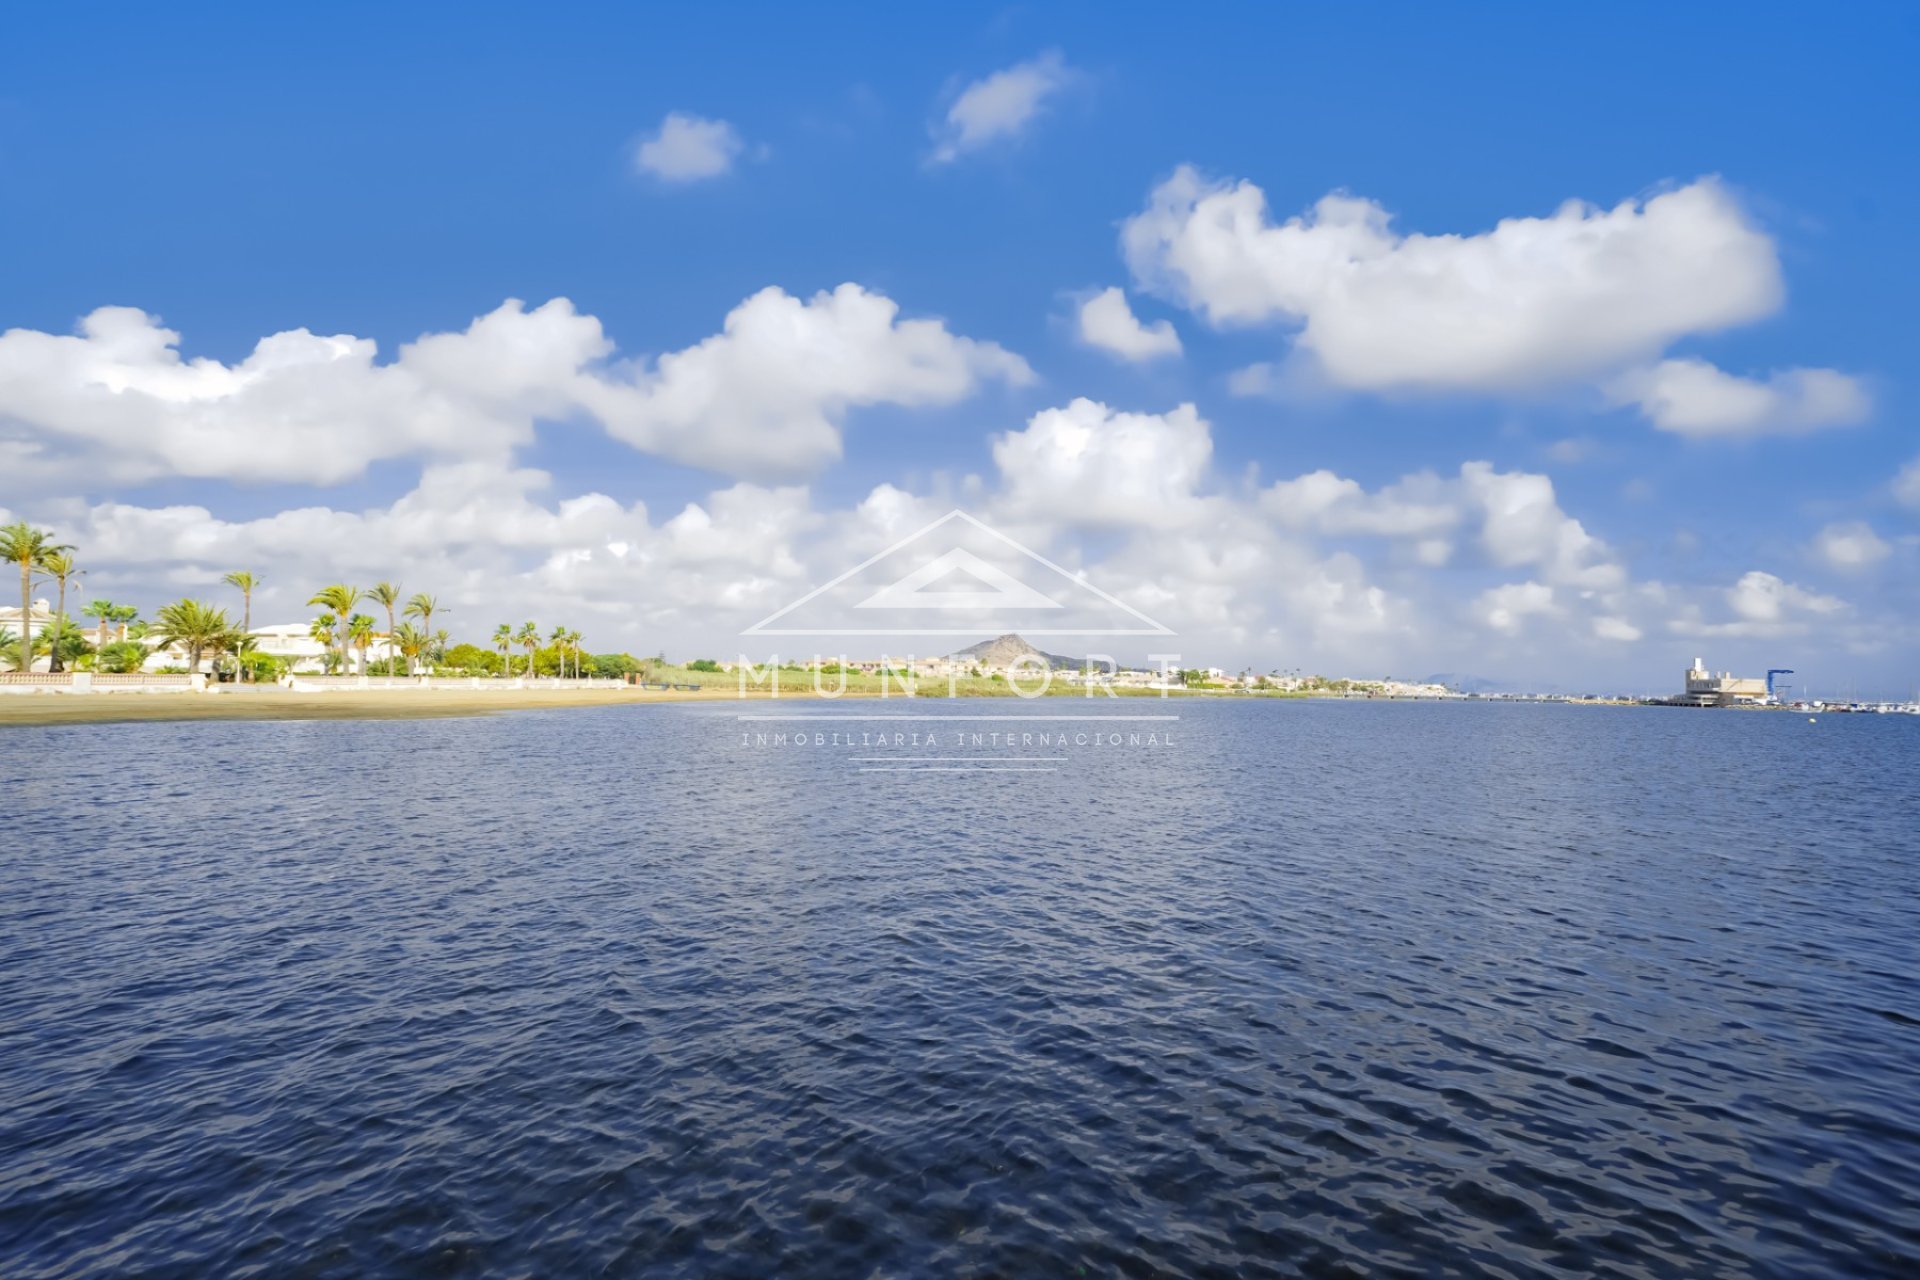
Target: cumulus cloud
{"x": 1693, "y": 398}
{"x": 1506, "y": 608}
{"x": 688, "y": 148}
{"x": 1579, "y": 296}
{"x": 1764, "y": 598}
{"x": 1523, "y": 524}
{"x": 1851, "y": 546}
{"x": 1089, "y": 464}
{"x": 301, "y": 406}
{"x": 1107, "y": 322}
{"x": 1906, "y": 485}
{"x": 489, "y": 541}
{"x": 999, "y": 107}
{"x": 1616, "y": 629}
{"x": 1760, "y": 605}
{"x": 766, "y": 397}
{"x": 1289, "y": 574}
{"x": 1261, "y": 378}
{"x": 1326, "y": 503}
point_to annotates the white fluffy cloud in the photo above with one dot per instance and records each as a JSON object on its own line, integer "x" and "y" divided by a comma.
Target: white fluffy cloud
{"x": 1088, "y": 464}
{"x": 1523, "y": 525}
{"x": 765, "y": 397}
{"x": 999, "y": 107}
{"x": 1850, "y": 546}
{"x": 1585, "y": 295}
{"x": 1260, "y": 378}
{"x": 1693, "y": 398}
{"x": 1906, "y": 485}
{"x": 301, "y": 406}
{"x": 1519, "y": 520}
{"x": 489, "y": 542}
{"x": 1618, "y": 630}
{"x": 1107, "y": 322}
{"x": 1531, "y": 302}
{"x": 1506, "y": 608}
{"x": 1326, "y": 503}
{"x": 1286, "y": 575}
{"x": 1764, "y": 598}
{"x": 688, "y": 148}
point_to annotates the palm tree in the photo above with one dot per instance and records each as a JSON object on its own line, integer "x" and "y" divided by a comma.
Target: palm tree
{"x": 529, "y": 639}
{"x": 338, "y": 600}
{"x": 58, "y": 565}
{"x": 573, "y": 646}
{"x": 194, "y": 626}
{"x": 104, "y": 611}
{"x": 503, "y": 641}
{"x": 437, "y": 648}
{"x": 323, "y": 629}
{"x": 28, "y": 547}
{"x": 411, "y": 641}
{"x": 423, "y": 607}
{"x": 360, "y": 636}
{"x": 245, "y": 582}
{"x": 387, "y": 594}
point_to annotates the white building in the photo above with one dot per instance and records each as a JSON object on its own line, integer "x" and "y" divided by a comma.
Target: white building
{"x": 39, "y": 617}
{"x": 293, "y": 644}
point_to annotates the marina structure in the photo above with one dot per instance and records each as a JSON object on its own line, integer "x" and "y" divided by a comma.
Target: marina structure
{"x": 1723, "y": 689}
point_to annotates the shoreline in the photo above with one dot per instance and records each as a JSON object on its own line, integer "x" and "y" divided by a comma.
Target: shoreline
{"x": 267, "y": 703}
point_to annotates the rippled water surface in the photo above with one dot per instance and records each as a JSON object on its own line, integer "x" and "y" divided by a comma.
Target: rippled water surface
{"x": 1340, "y": 989}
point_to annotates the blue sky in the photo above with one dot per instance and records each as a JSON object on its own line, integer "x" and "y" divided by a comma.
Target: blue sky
{"x": 387, "y": 173}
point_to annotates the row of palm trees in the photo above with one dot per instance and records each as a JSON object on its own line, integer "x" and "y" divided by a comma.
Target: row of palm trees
{"x": 339, "y": 599}
{"x": 528, "y": 637}
{"x": 38, "y": 556}
{"x": 357, "y": 630}
{"x": 204, "y": 631}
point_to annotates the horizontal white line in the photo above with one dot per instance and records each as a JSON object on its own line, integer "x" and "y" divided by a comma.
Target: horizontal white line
{"x": 820, "y": 718}
{"x": 978, "y": 768}
{"x": 947, "y": 631}
{"x": 958, "y": 759}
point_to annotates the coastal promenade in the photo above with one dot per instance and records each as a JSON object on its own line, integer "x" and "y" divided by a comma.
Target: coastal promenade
{"x": 273, "y": 702}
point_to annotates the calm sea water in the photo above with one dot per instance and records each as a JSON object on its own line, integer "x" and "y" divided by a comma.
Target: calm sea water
{"x": 1335, "y": 989}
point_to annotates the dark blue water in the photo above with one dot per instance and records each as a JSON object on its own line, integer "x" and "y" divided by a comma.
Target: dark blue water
{"x": 1315, "y": 988}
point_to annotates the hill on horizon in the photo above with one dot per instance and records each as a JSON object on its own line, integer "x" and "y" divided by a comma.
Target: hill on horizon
{"x": 1002, "y": 651}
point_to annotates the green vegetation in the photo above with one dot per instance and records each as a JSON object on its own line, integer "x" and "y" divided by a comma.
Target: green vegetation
{"x": 195, "y": 627}
{"x": 338, "y": 601}
{"x": 29, "y": 548}
{"x": 119, "y": 656}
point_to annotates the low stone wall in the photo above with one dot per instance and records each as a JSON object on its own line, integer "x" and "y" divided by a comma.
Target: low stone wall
{"x": 347, "y": 684}
{"x": 67, "y": 682}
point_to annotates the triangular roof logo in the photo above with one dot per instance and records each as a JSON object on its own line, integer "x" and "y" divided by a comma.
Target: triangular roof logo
{"x": 958, "y": 576}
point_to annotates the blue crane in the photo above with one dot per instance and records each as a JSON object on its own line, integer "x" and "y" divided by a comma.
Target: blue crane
{"x": 1776, "y": 671}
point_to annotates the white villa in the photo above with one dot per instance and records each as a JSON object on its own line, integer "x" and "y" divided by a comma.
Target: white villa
{"x": 292, "y": 642}
{"x": 40, "y": 617}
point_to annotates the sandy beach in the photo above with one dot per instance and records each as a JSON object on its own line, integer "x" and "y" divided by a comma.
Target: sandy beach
{"x": 345, "y": 704}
